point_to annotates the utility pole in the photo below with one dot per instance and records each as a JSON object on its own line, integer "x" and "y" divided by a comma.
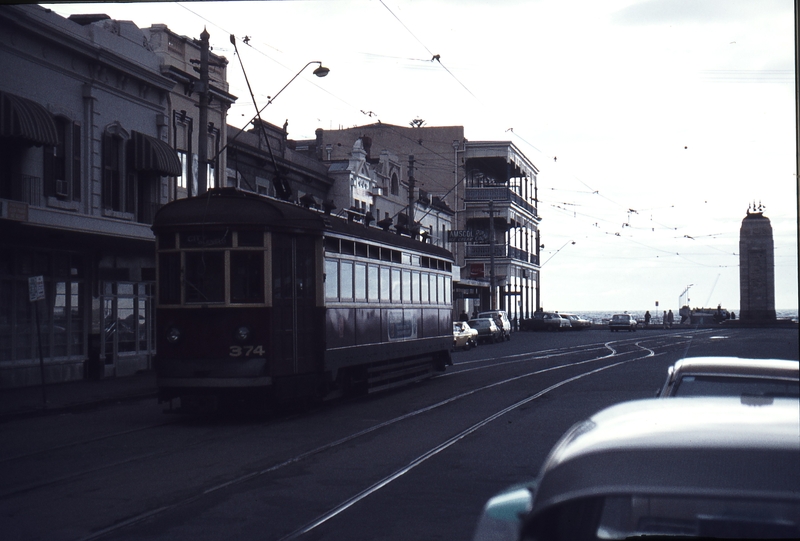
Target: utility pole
{"x": 202, "y": 144}
{"x": 492, "y": 287}
{"x": 411, "y": 187}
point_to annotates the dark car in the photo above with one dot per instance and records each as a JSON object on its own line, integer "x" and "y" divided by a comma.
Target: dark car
{"x": 488, "y": 331}
{"x": 686, "y": 467}
{"x": 622, "y": 322}
{"x": 733, "y": 376}
{"x": 546, "y": 321}
{"x": 577, "y": 323}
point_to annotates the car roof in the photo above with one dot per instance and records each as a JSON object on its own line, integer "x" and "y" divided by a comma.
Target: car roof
{"x": 727, "y": 447}
{"x": 737, "y": 366}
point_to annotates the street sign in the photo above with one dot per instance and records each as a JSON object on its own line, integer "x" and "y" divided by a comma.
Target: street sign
{"x": 36, "y": 288}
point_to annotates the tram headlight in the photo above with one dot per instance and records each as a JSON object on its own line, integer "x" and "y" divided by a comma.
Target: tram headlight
{"x": 243, "y": 333}
{"x": 173, "y": 335}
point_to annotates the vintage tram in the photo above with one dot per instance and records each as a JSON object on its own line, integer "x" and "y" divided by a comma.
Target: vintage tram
{"x": 267, "y": 301}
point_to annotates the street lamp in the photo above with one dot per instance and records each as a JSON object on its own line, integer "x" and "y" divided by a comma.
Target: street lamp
{"x": 539, "y": 280}
{"x": 685, "y": 292}
{"x": 320, "y": 71}
{"x": 552, "y": 256}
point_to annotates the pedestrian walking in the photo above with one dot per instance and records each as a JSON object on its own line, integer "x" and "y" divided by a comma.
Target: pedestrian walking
{"x": 647, "y": 318}
{"x": 670, "y": 319}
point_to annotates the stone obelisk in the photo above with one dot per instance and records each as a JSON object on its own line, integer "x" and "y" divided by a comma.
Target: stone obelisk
{"x": 756, "y": 267}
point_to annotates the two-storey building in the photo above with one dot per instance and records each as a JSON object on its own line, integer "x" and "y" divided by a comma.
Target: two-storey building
{"x": 86, "y": 159}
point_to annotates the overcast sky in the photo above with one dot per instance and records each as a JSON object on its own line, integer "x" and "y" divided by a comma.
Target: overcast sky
{"x": 654, "y": 123}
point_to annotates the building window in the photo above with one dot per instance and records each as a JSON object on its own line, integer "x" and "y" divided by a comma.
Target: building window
{"x": 62, "y": 163}
{"x": 395, "y": 185}
{"x": 181, "y": 180}
{"x": 117, "y": 184}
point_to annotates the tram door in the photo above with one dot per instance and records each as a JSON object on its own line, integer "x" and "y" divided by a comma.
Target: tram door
{"x": 295, "y": 331}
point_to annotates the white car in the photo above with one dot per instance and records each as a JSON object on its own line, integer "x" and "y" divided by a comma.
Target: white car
{"x": 733, "y": 376}
{"x": 686, "y": 467}
{"x": 501, "y": 320}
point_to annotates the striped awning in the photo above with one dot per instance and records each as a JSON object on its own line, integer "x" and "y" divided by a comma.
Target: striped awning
{"x": 154, "y": 155}
{"x": 21, "y": 118}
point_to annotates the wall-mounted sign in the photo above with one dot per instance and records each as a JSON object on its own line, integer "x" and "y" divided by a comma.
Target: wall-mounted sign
{"x": 460, "y": 235}
{"x": 466, "y": 235}
{"x": 36, "y": 288}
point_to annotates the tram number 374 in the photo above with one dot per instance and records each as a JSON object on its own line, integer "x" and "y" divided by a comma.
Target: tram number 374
{"x": 246, "y": 351}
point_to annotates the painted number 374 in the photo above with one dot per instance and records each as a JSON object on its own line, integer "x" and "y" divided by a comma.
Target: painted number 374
{"x": 245, "y": 351}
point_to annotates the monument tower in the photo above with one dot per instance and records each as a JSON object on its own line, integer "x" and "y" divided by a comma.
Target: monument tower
{"x": 756, "y": 267}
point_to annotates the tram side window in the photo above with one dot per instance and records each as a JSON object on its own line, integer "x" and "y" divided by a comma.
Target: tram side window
{"x": 247, "y": 276}
{"x": 386, "y": 285}
{"x": 425, "y": 295}
{"x": 432, "y": 282}
{"x": 396, "y": 285}
{"x": 440, "y": 284}
{"x": 331, "y": 279}
{"x": 205, "y": 277}
{"x": 169, "y": 280}
{"x": 372, "y": 283}
{"x": 406, "y": 286}
{"x": 415, "y": 287}
{"x": 346, "y": 280}
{"x": 361, "y": 282}
{"x": 448, "y": 288}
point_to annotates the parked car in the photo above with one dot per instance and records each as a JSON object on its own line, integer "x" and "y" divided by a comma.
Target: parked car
{"x": 488, "y": 331}
{"x": 686, "y": 467}
{"x": 577, "y": 323}
{"x": 501, "y": 320}
{"x": 464, "y": 336}
{"x": 546, "y": 321}
{"x": 733, "y": 376}
{"x": 622, "y": 322}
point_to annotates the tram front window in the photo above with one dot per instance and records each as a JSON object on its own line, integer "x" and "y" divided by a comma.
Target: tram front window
{"x": 205, "y": 277}
{"x": 247, "y": 277}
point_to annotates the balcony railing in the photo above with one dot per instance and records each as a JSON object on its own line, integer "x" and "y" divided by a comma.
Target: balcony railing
{"x": 498, "y": 193}
{"x": 500, "y": 250}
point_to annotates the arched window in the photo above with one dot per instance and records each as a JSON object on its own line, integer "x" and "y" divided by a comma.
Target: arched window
{"x": 395, "y": 185}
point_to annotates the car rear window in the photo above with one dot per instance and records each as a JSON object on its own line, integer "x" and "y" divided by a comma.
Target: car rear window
{"x": 624, "y": 517}
{"x": 735, "y": 386}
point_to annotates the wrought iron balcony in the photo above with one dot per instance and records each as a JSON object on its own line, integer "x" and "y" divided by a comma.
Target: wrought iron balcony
{"x": 483, "y": 251}
{"x": 497, "y": 193}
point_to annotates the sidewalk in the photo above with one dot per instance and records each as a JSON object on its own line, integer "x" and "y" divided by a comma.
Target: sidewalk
{"x": 61, "y": 397}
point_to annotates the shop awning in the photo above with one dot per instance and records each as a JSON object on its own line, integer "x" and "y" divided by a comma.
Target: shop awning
{"x": 153, "y": 155}
{"x": 21, "y": 118}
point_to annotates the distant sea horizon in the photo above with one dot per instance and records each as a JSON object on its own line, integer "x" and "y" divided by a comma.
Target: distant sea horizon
{"x": 598, "y": 316}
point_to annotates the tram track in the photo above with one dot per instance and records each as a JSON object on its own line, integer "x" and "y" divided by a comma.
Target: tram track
{"x": 612, "y": 349}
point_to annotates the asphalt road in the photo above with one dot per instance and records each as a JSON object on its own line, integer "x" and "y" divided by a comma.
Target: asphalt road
{"x": 414, "y": 463}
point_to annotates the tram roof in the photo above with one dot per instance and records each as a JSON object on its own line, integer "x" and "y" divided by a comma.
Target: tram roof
{"x": 233, "y": 207}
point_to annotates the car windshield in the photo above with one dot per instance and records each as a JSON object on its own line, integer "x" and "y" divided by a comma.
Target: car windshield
{"x": 735, "y": 386}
